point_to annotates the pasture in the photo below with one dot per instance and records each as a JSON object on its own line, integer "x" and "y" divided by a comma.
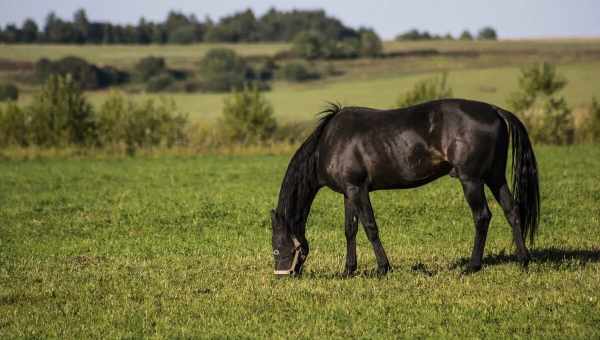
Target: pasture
{"x": 480, "y": 70}
{"x": 180, "y": 247}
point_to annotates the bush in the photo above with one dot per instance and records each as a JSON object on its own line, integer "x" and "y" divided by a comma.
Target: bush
{"x": 60, "y": 114}
{"x": 370, "y": 44}
{"x": 124, "y": 123}
{"x": 159, "y": 83}
{"x": 87, "y": 76}
{"x": 297, "y": 72}
{"x": 466, "y": 35}
{"x": 149, "y": 67}
{"x": 8, "y": 92}
{"x": 309, "y": 45}
{"x": 14, "y": 126}
{"x": 547, "y": 116}
{"x": 222, "y": 69}
{"x": 248, "y": 117}
{"x": 590, "y": 131}
{"x": 426, "y": 90}
{"x": 487, "y": 33}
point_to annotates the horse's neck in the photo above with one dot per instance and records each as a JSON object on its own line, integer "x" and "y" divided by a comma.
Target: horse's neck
{"x": 296, "y": 197}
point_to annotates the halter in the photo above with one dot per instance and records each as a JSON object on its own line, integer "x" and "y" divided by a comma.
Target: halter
{"x": 297, "y": 251}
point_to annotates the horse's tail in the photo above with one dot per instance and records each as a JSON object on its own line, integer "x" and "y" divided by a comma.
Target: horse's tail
{"x": 525, "y": 183}
{"x": 300, "y": 182}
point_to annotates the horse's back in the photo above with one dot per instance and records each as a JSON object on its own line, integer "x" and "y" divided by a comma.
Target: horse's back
{"x": 411, "y": 146}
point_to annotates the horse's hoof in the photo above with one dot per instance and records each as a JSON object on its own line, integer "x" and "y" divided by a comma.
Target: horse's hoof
{"x": 349, "y": 271}
{"x": 383, "y": 270}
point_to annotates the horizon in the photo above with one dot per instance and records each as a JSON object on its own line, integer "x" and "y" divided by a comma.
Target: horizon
{"x": 513, "y": 20}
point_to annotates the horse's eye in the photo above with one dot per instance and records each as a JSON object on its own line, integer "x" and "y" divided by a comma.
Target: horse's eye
{"x": 276, "y": 252}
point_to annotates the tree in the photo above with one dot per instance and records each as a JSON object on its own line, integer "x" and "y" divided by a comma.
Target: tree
{"x": 547, "y": 115}
{"x": 487, "y": 33}
{"x": 466, "y": 35}
{"x": 248, "y": 117}
{"x": 81, "y": 25}
{"x": 370, "y": 44}
{"x": 29, "y": 31}
{"x": 308, "y": 45}
{"x": 222, "y": 69}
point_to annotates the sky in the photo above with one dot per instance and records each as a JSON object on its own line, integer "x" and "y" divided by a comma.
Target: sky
{"x": 511, "y": 18}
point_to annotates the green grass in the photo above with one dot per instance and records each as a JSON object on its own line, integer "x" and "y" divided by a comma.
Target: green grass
{"x": 296, "y": 102}
{"x": 180, "y": 247}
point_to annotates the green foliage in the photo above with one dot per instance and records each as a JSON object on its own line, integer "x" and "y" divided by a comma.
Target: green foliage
{"x": 426, "y": 90}
{"x": 370, "y": 44}
{"x": 14, "y": 126}
{"x": 125, "y": 123}
{"x": 88, "y": 76}
{"x": 298, "y": 71}
{"x": 547, "y": 116}
{"x": 222, "y": 69}
{"x": 248, "y": 117}
{"x": 149, "y": 67}
{"x": 466, "y": 35}
{"x": 159, "y": 83}
{"x": 536, "y": 80}
{"x": 315, "y": 45}
{"x": 183, "y": 35}
{"x": 590, "y": 130}
{"x": 60, "y": 114}
{"x": 487, "y": 33}
{"x": 8, "y": 92}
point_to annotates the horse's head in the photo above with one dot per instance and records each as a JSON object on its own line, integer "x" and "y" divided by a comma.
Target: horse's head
{"x": 288, "y": 252}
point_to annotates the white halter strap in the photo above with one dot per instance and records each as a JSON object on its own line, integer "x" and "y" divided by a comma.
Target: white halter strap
{"x": 294, "y": 261}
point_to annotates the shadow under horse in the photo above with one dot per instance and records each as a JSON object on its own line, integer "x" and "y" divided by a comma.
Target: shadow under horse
{"x": 355, "y": 150}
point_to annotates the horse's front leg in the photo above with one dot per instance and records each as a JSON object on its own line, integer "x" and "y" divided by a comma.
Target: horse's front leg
{"x": 351, "y": 226}
{"x": 359, "y": 198}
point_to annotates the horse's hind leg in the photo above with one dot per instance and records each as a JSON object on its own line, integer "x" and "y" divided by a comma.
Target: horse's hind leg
{"x": 502, "y": 194}
{"x": 475, "y": 196}
{"x": 351, "y": 226}
{"x": 359, "y": 197}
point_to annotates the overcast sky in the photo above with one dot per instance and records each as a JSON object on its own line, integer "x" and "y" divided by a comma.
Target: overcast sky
{"x": 511, "y": 18}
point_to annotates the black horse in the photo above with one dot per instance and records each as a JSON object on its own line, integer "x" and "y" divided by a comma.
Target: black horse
{"x": 356, "y": 150}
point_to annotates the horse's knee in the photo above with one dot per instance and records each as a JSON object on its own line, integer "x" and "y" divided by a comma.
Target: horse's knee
{"x": 482, "y": 219}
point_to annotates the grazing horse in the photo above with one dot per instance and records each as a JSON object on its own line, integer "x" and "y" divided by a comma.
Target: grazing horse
{"x": 355, "y": 150}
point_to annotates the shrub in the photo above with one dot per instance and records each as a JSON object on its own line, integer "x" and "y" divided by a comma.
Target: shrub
{"x": 426, "y": 90}
{"x": 60, "y": 114}
{"x": 248, "y": 117}
{"x": 466, "y": 35}
{"x": 487, "y": 33}
{"x": 370, "y": 44}
{"x": 298, "y": 72}
{"x": 590, "y": 131}
{"x": 149, "y": 67}
{"x": 547, "y": 116}
{"x": 308, "y": 45}
{"x": 14, "y": 126}
{"x": 87, "y": 76}
{"x": 536, "y": 80}
{"x": 8, "y": 92}
{"x": 124, "y": 123}
{"x": 159, "y": 82}
{"x": 183, "y": 35}
{"x": 222, "y": 70}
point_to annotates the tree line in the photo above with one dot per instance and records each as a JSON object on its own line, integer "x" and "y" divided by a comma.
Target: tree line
{"x": 179, "y": 28}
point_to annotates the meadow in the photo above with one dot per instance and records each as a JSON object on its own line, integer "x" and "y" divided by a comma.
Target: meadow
{"x": 159, "y": 247}
{"x": 480, "y": 70}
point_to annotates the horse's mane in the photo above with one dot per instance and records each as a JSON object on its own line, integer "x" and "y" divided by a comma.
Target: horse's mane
{"x": 300, "y": 183}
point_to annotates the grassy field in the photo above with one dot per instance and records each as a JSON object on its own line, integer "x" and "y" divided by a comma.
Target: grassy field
{"x": 490, "y": 74}
{"x": 180, "y": 247}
